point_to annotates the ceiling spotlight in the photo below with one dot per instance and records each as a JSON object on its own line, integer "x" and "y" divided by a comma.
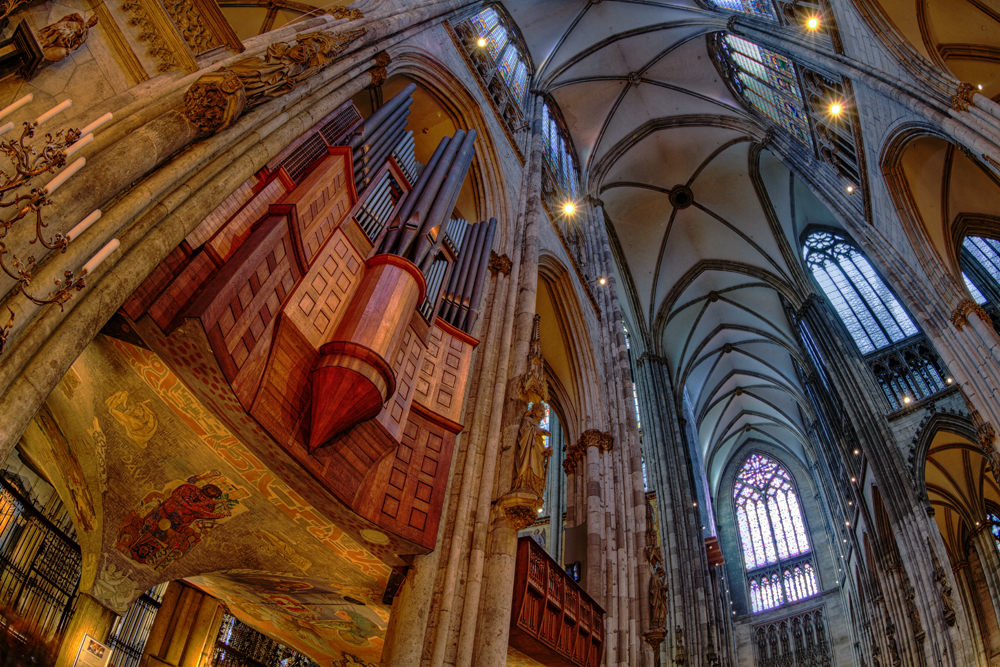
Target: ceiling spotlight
{"x": 481, "y": 42}
{"x": 857, "y": 451}
{"x": 853, "y": 479}
{"x": 836, "y": 108}
{"x": 980, "y": 86}
{"x": 602, "y": 280}
{"x": 846, "y": 523}
{"x": 813, "y": 22}
{"x": 850, "y": 189}
{"x": 949, "y": 380}
{"x": 906, "y": 399}
{"x": 569, "y": 208}
{"x": 696, "y": 504}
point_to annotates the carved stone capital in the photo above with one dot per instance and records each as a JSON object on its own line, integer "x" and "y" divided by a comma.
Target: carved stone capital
{"x": 500, "y": 264}
{"x": 214, "y": 101}
{"x": 962, "y": 98}
{"x": 607, "y": 442}
{"x": 655, "y": 637}
{"x": 520, "y": 508}
{"x": 590, "y": 438}
{"x": 574, "y": 454}
{"x": 965, "y": 307}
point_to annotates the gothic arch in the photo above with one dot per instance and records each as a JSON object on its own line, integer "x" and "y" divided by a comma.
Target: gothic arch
{"x": 486, "y": 174}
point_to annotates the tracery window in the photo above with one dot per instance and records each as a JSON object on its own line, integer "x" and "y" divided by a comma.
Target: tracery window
{"x": 973, "y": 290}
{"x": 980, "y": 261}
{"x": 769, "y": 82}
{"x": 872, "y": 314}
{"x": 994, "y": 527}
{"x": 494, "y": 38}
{"x": 563, "y": 182}
{"x": 754, "y": 7}
{"x": 776, "y": 552}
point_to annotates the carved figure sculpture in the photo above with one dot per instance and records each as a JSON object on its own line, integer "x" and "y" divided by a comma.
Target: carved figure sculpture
{"x": 658, "y": 598}
{"x": 65, "y": 35}
{"x": 531, "y": 463}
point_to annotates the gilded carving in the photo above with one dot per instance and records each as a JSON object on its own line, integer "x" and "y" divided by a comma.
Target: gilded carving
{"x": 962, "y": 98}
{"x": 531, "y": 464}
{"x": 520, "y": 516}
{"x": 218, "y": 98}
{"x": 966, "y": 307}
{"x": 65, "y": 35}
{"x": 345, "y": 13}
{"x": 500, "y": 264}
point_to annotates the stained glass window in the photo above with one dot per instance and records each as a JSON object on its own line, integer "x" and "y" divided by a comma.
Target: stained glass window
{"x": 519, "y": 84}
{"x": 771, "y": 529}
{"x": 994, "y": 527}
{"x": 872, "y": 314}
{"x": 986, "y": 253}
{"x": 768, "y": 81}
{"x": 507, "y": 64}
{"x": 496, "y": 40}
{"x": 973, "y": 290}
{"x": 485, "y": 21}
{"x": 755, "y": 7}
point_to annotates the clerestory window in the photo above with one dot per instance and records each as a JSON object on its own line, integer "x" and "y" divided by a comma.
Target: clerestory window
{"x": 776, "y": 553}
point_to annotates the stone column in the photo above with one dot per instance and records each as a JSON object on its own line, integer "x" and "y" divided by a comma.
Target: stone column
{"x": 185, "y": 629}
{"x": 89, "y": 618}
{"x": 498, "y": 570}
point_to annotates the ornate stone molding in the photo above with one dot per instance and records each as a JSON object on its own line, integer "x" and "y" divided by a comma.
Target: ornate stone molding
{"x": 966, "y": 307}
{"x": 521, "y": 509}
{"x": 607, "y": 442}
{"x": 941, "y": 579}
{"x": 574, "y": 454}
{"x": 986, "y": 435}
{"x": 646, "y": 356}
{"x": 379, "y": 71}
{"x": 500, "y": 264}
{"x": 345, "y": 13}
{"x": 533, "y": 384}
{"x": 285, "y": 66}
{"x": 191, "y": 24}
{"x": 152, "y": 31}
{"x": 962, "y": 98}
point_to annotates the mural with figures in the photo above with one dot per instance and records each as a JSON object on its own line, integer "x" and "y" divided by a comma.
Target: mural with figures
{"x": 196, "y": 502}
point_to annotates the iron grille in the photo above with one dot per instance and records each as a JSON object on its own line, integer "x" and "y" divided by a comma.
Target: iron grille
{"x": 308, "y": 152}
{"x": 130, "y": 632}
{"x": 239, "y": 645}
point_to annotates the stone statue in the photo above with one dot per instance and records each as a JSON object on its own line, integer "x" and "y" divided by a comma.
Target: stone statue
{"x": 284, "y": 65}
{"x": 531, "y": 464}
{"x": 658, "y": 598}
{"x": 65, "y": 35}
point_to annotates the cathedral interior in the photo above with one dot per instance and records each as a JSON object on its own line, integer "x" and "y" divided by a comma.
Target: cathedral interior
{"x": 571, "y": 333}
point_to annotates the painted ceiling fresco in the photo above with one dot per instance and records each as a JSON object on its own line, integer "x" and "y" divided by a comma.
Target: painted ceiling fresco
{"x": 189, "y": 500}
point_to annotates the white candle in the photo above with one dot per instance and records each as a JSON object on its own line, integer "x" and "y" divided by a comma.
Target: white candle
{"x": 80, "y": 143}
{"x": 99, "y": 257}
{"x": 82, "y": 226}
{"x": 62, "y": 106}
{"x": 6, "y": 127}
{"x": 96, "y": 124}
{"x": 16, "y": 105}
{"x": 61, "y": 177}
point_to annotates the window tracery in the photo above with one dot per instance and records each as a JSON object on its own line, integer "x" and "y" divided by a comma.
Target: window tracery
{"x": 773, "y": 537}
{"x": 872, "y": 314}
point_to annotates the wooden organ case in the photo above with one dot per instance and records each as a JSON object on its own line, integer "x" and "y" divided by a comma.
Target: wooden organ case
{"x": 332, "y": 345}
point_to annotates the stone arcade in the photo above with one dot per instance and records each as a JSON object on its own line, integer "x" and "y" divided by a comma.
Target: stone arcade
{"x": 531, "y": 332}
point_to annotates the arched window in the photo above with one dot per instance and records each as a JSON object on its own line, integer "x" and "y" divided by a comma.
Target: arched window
{"x": 493, "y": 37}
{"x": 559, "y": 158}
{"x": 768, "y": 81}
{"x": 873, "y": 316}
{"x": 994, "y": 527}
{"x": 776, "y": 551}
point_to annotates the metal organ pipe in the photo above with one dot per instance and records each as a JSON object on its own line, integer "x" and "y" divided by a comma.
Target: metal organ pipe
{"x": 372, "y": 166}
{"x": 444, "y": 204}
{"x": 372, "y": 122}
{"x": 392, "y": 237}
{"x": 383, "y": 132}
{"x": 472, "y": 315}
{"x": 458, "y": 274}
{"x": 427, "y": 196}
{"x": 465, "y": 287}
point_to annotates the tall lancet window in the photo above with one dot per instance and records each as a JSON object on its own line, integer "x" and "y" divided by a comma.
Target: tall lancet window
{"x": 776, "y": 550}
{"x": 871, "y": 312}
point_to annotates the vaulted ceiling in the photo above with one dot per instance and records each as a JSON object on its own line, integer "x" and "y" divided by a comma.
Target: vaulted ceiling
{"x": 704, "y": 271}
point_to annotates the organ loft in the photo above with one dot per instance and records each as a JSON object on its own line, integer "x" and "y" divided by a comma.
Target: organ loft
{"x": 517, "y": 333}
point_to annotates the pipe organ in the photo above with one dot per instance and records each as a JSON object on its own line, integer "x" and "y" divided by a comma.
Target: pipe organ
{"x": 337, "y": 294}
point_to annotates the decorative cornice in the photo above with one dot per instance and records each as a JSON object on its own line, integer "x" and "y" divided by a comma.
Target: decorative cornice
{"x": 965, "y": 307}
{"x": 345, "y": 13}
{"x": 500, "y": 264}
{"x": 149, "y": 32}
{"x": 962, "y": 98}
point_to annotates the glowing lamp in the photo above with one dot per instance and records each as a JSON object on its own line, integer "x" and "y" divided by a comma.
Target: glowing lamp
{"x": 812, "y": 23}
{"x": 602, "y": 280}
{"x": 836, "y": 108}
{"x": 569, "y": 208}
{"x": 850, "y": 189}
{"x": 481, "y": 42}
{"x": 906, "y": 399}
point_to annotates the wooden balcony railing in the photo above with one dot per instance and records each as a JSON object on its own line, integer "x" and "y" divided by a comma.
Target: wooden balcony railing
{"x": 553, "y": 620}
